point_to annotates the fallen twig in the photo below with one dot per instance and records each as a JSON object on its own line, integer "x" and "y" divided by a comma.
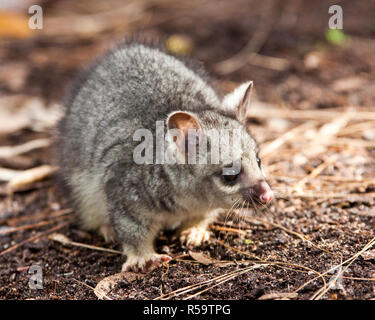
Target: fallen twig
{"x": 58, "y": 237}
{"x": 317, "y": 115}
{"x": 33, "y": 238}
{"x": 301, "y": 236}
{"x": 270, "y": 147}
{"x": 299, "y": 185}
{"x": 33, "y": 225}
{"x": 226, "y": 229}
{"x": 322, "y": 291}
{"x": 29, "y": 176}
{"x": 12, "y": 151}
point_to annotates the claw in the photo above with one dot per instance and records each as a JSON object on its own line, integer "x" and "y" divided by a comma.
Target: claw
{"x": 146, "y": 263}
{"x": 194, "y": 236}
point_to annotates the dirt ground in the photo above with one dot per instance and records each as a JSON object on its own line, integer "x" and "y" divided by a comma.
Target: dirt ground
{"x": 313, "y": 117}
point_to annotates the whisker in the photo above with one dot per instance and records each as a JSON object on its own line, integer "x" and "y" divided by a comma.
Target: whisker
{"x": 255, "y": 206}
{"x": 238, "y": 215}
{"x": 229, "y": 213}
{"x": 228, "y": 216}
{"x": 242, "y": 214}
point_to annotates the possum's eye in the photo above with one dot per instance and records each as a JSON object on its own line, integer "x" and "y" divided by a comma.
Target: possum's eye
{"x": 229, "y": 178}
{"x": 258, "y": 161}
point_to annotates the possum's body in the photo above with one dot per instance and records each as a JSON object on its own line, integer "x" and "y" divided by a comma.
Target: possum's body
{"x": 131, "y": 88}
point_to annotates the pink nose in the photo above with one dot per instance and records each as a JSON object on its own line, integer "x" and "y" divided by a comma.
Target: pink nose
{"x": 264, "y": 192}
{"x": 266, "y": 197}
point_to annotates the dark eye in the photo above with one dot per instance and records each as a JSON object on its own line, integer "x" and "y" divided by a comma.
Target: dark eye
{"x": 229, "y": 178}
{"x": 258, "y": 161}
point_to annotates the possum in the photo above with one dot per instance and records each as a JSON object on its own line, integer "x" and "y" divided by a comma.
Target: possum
{"x": 119, "y": 106}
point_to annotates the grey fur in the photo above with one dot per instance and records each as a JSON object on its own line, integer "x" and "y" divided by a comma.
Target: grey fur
{"x": 130, "y": 88}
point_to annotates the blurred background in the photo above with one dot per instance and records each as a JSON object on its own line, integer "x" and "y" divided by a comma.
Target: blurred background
{"x": 294, "y": 32}
{"x": 313, "y": 116}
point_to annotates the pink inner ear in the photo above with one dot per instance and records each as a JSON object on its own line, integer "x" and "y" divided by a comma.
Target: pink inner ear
{"x": 184, "y": 122}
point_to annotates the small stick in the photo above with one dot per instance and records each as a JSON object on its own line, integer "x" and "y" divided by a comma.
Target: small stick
{"x": 203, "y": 283}
{"x": 329, "y": 178}
{"x": 325, "y": 288}
{"x": 66, "y": 241}
{"x": 230, "y": 277}
{"x": 12, "y": 151}
{"x": 222, "y": 243}
{"x": 29, "y": 176}
{"x": 299, "y": 185}
{"x": 357, "y": 127}
{"x": 39, "y": 216}
{"x": 33, "y": 225}
{"x": 226, "y": 229}
{"x": 273, "y": 63}
{"x": 279, "y": 226}
{"x": 270, "y": 147}
{"x": 280, "y": 264}
{"x": 39, "y": 235}
{"x": 317, "y": 115}
{"x": 326, "y": 195}
{"x": 8, "y": 174}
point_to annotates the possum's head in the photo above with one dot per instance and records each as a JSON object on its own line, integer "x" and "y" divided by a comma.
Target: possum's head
{"x": 223, "y": 166}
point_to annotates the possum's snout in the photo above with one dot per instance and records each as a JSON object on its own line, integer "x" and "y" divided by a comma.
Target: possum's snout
{"x": 260, "y": 192}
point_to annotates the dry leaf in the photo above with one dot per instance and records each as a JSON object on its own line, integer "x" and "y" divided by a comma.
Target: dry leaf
{"x": 104, "y": 287}
{"x": 202, "y": 258}
{"x": 59, "y": 238}
{"x": 368, "y": 255}
{"x": 279, "y": 296}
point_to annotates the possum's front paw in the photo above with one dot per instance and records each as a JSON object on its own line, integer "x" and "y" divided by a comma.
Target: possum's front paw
{"x": 145, "y": 263}
{"x": 194, "y": 236}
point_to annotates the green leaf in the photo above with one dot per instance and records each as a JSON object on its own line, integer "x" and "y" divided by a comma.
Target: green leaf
{"x": 336, "y": 36}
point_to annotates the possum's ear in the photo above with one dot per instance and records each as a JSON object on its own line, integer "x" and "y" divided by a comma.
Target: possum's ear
{"x": 244, "y": 105}
{"x": 185, "y": 129}
{"x": 239, "y": 100}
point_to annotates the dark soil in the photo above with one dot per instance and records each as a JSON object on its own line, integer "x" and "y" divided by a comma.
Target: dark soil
{"x": 217, "y": 31}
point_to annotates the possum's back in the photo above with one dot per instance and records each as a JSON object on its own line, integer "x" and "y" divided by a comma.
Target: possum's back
{"x": 131, "y": 87}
